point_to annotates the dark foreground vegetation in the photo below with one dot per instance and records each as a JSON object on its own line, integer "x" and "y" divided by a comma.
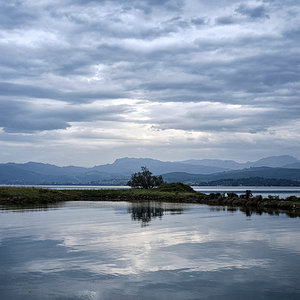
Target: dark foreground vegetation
{"x": 174, "y": 192}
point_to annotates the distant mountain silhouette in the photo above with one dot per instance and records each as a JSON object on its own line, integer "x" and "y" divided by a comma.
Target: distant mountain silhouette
{"x": 127, "y": 166}
{"x": 271, "y": 161}
{"x": 10, "y": 174}
{"x": 38, "y": 173}
{"x": 281, "y": 167}
{"x": 274, "y": 161}
{"x": 262, "y": 172}
{"x": 226, "y": 164}
{"x": 292, "y": 166}
{"x": 48, "y": 169}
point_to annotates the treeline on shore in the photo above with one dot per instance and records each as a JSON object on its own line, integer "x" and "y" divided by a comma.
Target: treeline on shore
{"x": 251, "y": 181}
{"x": 175, "y": 192}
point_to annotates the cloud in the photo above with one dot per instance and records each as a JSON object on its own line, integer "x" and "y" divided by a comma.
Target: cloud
{"x": 62, "y": 66}
{"x": 17, "y": 90}
{"x": 198, "y": 21}
{"x": 215, "y": 117}
{"x": 225, "y": 20}
{"x": 254, "y": 12}
{"x": 23, "y": 116}
{"x": 13, "y": 14}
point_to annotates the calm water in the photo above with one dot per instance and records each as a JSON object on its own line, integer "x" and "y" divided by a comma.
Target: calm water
{"x": 105, "y": 250}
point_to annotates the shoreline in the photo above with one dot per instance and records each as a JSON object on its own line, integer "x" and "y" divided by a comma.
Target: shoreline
{"x": 25, "y": 196}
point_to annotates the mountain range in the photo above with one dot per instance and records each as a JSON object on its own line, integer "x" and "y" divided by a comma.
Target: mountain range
{"x": 283, "y": 167}
{"x": 283, "y": 161}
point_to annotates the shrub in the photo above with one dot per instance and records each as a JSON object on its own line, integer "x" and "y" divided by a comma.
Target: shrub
{"x": 145, "y": 180}
{"x": 176, "y": 187}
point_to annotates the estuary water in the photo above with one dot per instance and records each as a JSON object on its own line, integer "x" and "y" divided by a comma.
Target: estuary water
{"x": 120, "y": 250}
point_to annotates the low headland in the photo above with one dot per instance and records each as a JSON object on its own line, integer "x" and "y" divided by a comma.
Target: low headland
{"x": 174, "y": 192}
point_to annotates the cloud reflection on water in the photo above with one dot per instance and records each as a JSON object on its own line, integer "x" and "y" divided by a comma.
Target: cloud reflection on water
{"x": 97, "y": 243}
{"x": 102, "y": 240}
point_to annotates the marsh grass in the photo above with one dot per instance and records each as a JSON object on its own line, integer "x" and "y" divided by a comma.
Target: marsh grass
{"x": 32, "y": 195}
{"x": 23, "y": 196}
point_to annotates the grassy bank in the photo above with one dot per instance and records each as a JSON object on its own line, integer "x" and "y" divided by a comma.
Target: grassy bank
{"x": 30, "y": 195}
{"x": 19, "y": 196}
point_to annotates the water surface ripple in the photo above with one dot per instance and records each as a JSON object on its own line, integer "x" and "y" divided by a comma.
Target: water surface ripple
{"x": 106, "y": 250}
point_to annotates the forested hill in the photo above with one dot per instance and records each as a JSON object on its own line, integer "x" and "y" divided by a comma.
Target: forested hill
{"x": 250, "y": 176}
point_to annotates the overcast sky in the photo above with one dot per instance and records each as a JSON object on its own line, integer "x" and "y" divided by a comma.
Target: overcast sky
{"x": 84, "y": 82}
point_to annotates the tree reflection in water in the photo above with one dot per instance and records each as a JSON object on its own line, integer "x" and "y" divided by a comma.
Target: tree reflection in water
{"x": 144, "y": 212}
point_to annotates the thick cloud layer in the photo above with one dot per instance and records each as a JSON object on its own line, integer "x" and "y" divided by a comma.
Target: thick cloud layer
{"x": 169, "y": 79}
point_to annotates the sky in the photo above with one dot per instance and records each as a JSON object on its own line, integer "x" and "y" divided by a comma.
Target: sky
{"x": 84, "y": 82}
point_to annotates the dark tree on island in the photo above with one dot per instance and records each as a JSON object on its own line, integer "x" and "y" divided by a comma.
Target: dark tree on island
{"x": 145, "y": 180}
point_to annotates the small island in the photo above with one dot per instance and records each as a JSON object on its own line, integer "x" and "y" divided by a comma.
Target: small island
{"x": 22, "y": 197}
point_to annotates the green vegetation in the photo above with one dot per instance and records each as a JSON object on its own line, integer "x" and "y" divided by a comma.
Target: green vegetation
{"x": 254, "y": 181}
{"x": 145, "y": 180}
{"x": 176, "y": 187}
{"x": 26, "y": 195}
{"x": 175, "y": 192}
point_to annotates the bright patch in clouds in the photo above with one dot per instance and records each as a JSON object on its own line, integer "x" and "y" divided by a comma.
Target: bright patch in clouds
{"x": 86, "y": 82}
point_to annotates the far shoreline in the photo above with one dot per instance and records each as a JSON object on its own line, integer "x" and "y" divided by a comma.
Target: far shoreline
{"x": 256, "y": 190}
{"x": 24, "y": 196}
